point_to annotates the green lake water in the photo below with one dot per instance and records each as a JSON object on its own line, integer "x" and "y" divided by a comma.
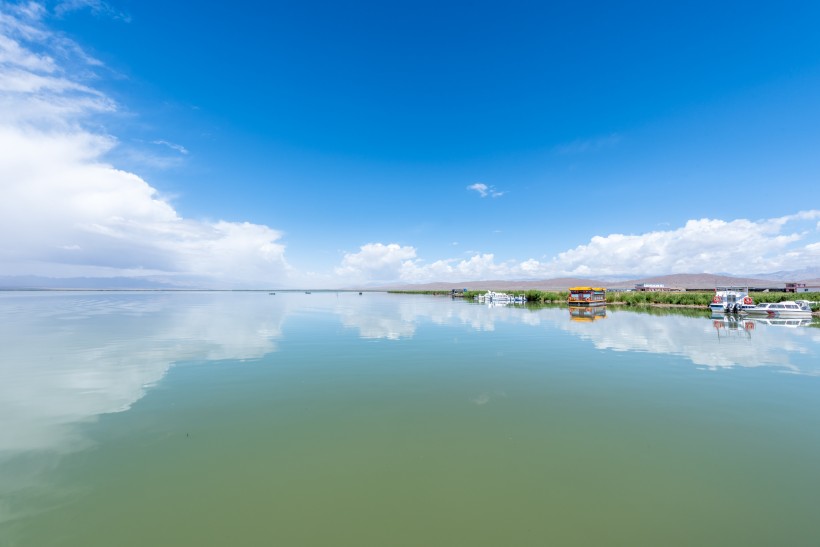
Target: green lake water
{"x": 194, "y": 419}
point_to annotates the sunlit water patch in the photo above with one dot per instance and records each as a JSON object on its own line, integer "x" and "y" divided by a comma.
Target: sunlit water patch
{"x": 339, "y": 419}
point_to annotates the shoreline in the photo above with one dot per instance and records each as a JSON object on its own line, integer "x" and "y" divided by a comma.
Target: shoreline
{"x": 690, "y": 300}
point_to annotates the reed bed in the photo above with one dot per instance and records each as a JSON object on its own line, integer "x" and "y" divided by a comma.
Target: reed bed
{"x": 433, "y": 293}
{"x": 695, "y": 299}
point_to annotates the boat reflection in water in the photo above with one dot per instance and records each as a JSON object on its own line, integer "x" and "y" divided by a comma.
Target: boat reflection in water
{"x": 587, "y": 314}
{"x": 727, "y": 325}
{"x": 780, "y": 322}
{"x": 742, "y": 326}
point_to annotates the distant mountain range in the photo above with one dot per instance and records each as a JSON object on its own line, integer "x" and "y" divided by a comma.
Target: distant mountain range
{"x": 52, "y": 283}
{"x": 683, "y": 281}
{"x": 804, "y": 275}
{"x": 810, "y": 276}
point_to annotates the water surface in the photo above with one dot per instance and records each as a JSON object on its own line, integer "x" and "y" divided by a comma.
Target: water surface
{"x": 338, "y": 419}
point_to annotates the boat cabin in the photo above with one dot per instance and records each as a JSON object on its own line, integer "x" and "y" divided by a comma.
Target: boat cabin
{"x": 587, "y": 296}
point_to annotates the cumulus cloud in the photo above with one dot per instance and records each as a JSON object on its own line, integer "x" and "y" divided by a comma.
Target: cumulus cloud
{"x": 478, "y": 266}
{"x": 64, "y": 210}
{"x": 375, "y": 262}
{"x": 706, "y": 245}
{"x": 485, "y": 190}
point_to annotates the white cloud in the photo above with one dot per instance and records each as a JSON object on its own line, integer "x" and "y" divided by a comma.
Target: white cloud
{"x": 479, "y": 187}
{"x": 97, "y": 7}
{"x": 65, "y": 211}
{"x": 707, "y": 245}
{"x": 375, "y": 262}
{"x": 178, "y": 147}
{"x": 12, "y": 53}
{"x": 485, "y": 190}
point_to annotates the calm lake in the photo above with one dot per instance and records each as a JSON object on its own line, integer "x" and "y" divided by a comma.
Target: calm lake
{"x": 191, "y": 419}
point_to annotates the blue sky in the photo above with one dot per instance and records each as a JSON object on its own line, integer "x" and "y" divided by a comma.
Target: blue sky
{"x": 343, "y": 143}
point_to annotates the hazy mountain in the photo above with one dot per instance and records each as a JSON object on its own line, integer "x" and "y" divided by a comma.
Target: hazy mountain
{"x": 683, "y": 281}
{"x": 37, "y": 282}
{"x": 560, "y": 283}
{"x": 803, "y": 275}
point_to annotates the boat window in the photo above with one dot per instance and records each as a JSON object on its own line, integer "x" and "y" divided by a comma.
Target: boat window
{"x": 777, "y": 306}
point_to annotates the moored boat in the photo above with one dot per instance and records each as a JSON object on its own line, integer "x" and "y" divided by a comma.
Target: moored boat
{"x": 731, "y": 300}
{"x": 586, "y": 296}
{"x": 788, "y": 308}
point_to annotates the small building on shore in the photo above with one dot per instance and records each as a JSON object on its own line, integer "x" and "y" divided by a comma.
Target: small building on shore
{"x": 656, "y": 287}
{"x": 801, "y": 287}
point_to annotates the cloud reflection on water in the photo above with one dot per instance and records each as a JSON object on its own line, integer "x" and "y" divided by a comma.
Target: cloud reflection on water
{"x": 706, "y": 342}
{"x": 66, "y": 359}
{"x": 747, "y": 344}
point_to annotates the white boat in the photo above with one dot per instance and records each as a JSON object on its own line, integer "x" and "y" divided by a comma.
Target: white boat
{"x": 731, "y": 300}
{"x": 501, "y": 298}
{"x": 789, "y": 308}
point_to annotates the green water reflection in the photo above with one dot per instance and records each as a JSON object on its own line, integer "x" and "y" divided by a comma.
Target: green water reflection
{"x": 339, "y": 419}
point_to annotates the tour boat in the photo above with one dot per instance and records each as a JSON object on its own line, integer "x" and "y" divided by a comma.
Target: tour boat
{"x": 586, "y": 296}
{"x": 731, "y": 300}
{"x": 789, "y": 308}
